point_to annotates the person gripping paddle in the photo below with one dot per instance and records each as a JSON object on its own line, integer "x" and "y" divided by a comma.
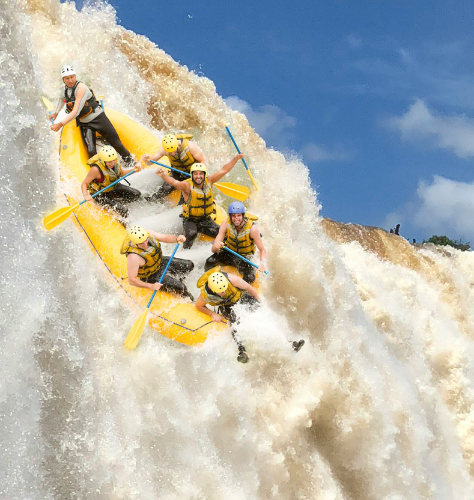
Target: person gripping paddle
{"x": 240, "y": 234}
{"x": 182, "y": 155}
{"x": 146, "y": 262}
{"x": 199, "y": 208}
{"x": 82, "y": 105}
{"x": 105, "y": 169}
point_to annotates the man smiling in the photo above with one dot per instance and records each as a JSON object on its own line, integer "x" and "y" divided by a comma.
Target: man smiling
{"x": 224, "y": 291}
{"x": 199, "y": 209}
{"x": 182, "y": 155}
{"x": 240, "y": 234}
{"x": 146, "y": 262}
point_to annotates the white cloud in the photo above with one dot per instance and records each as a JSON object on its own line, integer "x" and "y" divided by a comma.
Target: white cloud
{"x": 447, "y": 207}
{"x": 277, "y": 128}
{"x": 438, "y": 71}
{"x": 273, "y": 124}
{"x": 454, "y": 133}
{"x": 313, "y": 153}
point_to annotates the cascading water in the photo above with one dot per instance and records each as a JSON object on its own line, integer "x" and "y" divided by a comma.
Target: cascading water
{"x": 378, "y": 404}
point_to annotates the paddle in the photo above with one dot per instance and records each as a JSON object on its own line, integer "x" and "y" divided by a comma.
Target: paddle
{"x": 49, "y": 107}
{"x": 135, "y": 333}
{"x": 243, "y": 258}
{"x": 48, "y": 104}
{"x": 235, "y": 191}
{"x": 62, "y": 214}
{"x": 243, "y": 159}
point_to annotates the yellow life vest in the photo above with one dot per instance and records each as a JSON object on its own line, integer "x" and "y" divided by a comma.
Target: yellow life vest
{"x": 200, "y": 202}
{"x": 108, "y": 175}
{"x": 153, "y": 256}
{"x": 240, "y": 241}
{"x": 232, "y": 294}
{"x": 185, "y": 159}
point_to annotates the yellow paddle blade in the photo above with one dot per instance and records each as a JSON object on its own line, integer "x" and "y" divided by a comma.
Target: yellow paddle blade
{"x": 59, "y": 216}
{"x": 48, "y": 104}
{"x": 135, "y": 333}
{"x": 240, "y": 193}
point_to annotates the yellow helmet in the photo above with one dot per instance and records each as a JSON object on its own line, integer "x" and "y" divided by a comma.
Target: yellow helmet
{"x": 198, "y": 167}
{"x": 137, "y": 235}
{"x": 170, "y": 143}
{"x": 108, "y": 153}
{"x": 217, "y": 282}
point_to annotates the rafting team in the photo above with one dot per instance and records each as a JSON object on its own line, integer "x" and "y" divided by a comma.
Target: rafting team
{"x": 145, "y": 260}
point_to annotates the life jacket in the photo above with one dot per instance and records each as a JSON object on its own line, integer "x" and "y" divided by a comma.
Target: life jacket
{"x": 153, "y": 256}
{"x": 108, "y": 175}
{"x": 185, "y": 159}
{"x": 240, "y": 241}
{"x": 200, "y": 202}
{"x": 70, "y": 98}
{"x": 231, "y": 296}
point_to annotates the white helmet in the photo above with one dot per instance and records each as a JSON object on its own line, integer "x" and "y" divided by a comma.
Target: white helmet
{"x": 67, "y": 71}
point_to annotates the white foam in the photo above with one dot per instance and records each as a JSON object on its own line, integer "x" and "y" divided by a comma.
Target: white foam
{"x": 378, "y": 403}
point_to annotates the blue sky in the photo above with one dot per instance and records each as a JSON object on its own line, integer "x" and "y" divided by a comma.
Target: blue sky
{"x": 376, "y": 97}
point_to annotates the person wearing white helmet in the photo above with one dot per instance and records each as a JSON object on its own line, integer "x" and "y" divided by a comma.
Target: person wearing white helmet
{"x": 181, "y": 153}
{"x": 146, "y": 262}
{"x": 105, "y": 169}
{"x": 199, "y": 208}
{"x": 82, "y": 105}
{"x": 224, "y": 291}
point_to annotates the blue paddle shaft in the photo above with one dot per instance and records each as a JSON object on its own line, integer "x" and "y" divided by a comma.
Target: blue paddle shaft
{"x": 163, "y": 275}
{"x": 109, "y": 186}
{"x": 243, "y": 258}
{"x": 151, "y": 300}
{"x": 236, "y": 147}
{"x": 171, "y": 168}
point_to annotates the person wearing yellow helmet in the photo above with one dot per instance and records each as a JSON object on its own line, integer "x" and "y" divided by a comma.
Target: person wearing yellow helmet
{"x": 199, "y": 207}
{"x": 105, "y": 169}
{"x": 146, "y": 262}
{"x": 182, "y": 153}
{"x": 82, "y": 105}
{"x": 224, "y": 291}
{"x": 170, "y": 143}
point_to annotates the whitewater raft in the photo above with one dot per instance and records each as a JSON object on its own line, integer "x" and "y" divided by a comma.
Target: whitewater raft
{"x": 169, "y": 314}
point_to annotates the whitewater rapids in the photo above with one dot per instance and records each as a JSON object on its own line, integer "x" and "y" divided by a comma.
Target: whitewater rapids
{"x": 379, "y": 404}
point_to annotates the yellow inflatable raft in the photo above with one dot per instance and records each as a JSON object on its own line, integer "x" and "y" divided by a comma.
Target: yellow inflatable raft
{"x": 169, "y": 314}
